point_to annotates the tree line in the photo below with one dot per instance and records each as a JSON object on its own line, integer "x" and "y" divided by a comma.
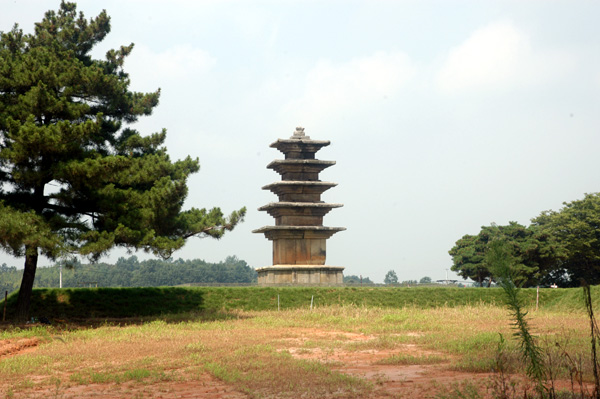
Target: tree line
{"x": 130, "y": 272}
{"x": 559, "y": 248}
{"x": 354, "y": 279}
{"x": 391, "y": 278}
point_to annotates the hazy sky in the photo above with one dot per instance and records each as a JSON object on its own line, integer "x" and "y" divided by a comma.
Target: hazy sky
{"x": 443, "y": 116}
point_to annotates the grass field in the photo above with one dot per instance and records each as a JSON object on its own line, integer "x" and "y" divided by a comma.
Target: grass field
{"x": 151, "y": 301}
{"x": 353, "y": 344}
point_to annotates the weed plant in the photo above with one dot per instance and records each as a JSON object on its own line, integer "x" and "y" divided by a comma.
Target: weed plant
{"x": 595, "y": 336}
{"x": 543, "y": 364}
{"x": 501, "y": 261}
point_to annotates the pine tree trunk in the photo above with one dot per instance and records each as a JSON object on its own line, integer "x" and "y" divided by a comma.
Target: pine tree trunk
{"x": 24, "y": 298}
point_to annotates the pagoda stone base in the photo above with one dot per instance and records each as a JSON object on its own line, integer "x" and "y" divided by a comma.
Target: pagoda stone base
{"x": 300, "y": 275}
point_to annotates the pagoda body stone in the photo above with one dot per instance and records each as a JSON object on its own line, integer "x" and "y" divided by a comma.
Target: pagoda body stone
{"x": 299, "y": 237}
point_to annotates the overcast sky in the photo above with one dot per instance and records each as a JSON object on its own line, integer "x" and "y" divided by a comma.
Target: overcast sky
{"x": 443, "y": 116}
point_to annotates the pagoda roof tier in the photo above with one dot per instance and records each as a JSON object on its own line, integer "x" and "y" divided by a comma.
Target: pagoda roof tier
{"x": 302, "y": 205}
{"x": 299, "y": 187}
{"x": 298, "y": 232}
{"x": 299, "y": 148}
{"x": 311, "y": 207}
{"x": 298, "y": 213}
{"x": 312, "y": 166}
{"x": 300, "y": 267}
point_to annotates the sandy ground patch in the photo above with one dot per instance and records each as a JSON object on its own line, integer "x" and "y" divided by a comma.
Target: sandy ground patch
{"x": 10, "y": 347}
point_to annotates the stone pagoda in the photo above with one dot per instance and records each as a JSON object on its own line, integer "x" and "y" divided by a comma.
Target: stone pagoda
{"x": 299, "y": 237}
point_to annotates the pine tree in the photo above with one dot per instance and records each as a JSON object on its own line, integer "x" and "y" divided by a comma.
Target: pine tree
{"x": 74, "y": 179}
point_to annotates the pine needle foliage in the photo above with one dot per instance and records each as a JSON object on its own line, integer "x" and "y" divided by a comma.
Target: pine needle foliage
{"x": 74, "y": 177}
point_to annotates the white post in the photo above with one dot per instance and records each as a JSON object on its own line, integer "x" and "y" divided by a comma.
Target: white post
{"x": 311, "y": 301}
{"x": 278, "y": 302}
{"x": 60, "y": 276}
{"x": 537, "y": 298}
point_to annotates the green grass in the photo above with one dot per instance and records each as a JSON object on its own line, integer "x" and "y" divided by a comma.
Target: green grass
{"x": 403, "y": 359}
{"x": 84, "y": 303}
{"x": 251, "y": 367}
{"x": 23, "y": 364}
{"x": 139, "y": 375}
{"x": 34, "y": 331}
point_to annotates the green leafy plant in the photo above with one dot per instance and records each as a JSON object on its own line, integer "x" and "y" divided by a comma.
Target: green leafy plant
{"x": 502, "y": 264}
{"x": 594, "y": 335}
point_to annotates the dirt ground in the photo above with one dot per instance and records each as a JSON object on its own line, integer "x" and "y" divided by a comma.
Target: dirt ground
{"x": 390, "y": 381}
{"x": 11, "y": 347}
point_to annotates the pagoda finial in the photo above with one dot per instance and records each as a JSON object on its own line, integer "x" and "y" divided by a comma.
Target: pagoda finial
{"x": 299, "y": 134}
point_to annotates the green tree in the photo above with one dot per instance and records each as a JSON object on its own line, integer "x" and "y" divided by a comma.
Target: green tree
{"x": 575, "y": 231}
{"x": 132, "y": 273}
{"x": 425, "y": 280}
{"x": 468, "y": 257}
{"x": 9, "y": 279}
{"x": 391, "y": 278}
{"x": 354, "y": 279}
{"x": 74, "y": 178}
{"x": 534, "y": 249}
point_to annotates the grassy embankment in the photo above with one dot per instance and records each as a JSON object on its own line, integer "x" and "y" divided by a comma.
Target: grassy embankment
{"x": 238, "y": 336}
{"x": 76, "y": 303}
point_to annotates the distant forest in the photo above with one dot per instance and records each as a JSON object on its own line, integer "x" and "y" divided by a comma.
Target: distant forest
{"x": 130, "y": 272}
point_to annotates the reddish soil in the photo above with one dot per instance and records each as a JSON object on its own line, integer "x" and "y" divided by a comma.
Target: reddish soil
{"x": 410, "y": 381}
{"x": 206, "y": 387}
{"x": 390, "y": 381}
{"x": 9, "y": 347}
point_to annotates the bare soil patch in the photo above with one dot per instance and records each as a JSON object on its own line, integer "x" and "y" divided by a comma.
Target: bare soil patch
{"x": 205, "y": 387}
{"x": 406, "y": 381}
{"x": 11, "y": 347}
{"x": 390, "y": 381}
{"x": 199, "y": 359}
